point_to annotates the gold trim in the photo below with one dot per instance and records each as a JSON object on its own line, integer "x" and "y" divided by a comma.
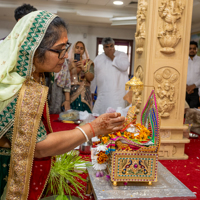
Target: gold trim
{"x": 28, "y": 114}
{"x": 48, "y": 118}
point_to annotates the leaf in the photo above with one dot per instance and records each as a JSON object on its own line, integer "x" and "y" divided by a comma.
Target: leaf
{"x": 62, "y": 172}
{"x": 62, "y": 197}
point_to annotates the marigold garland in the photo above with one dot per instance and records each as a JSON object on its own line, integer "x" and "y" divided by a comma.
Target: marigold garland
{"x": 102, "y": 157}
{"x": 142, "y": 134}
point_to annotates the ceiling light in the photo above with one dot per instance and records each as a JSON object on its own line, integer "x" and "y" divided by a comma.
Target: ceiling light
{"x": 118, "y": 2}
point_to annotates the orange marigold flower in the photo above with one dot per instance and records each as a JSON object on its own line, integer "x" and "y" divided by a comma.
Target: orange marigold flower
{"x": 101, "y": 153}
{"x": 102, "y": 157}
{"x": 111, "y": 135}
{"x": 119, "y": 134}
{"x": 126, "y": 134}
{"x": 105, "y": 139}
{"x": 100, "y": 160}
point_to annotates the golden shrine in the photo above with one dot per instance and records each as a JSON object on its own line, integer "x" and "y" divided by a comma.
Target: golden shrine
{"x": 131, "y": 155}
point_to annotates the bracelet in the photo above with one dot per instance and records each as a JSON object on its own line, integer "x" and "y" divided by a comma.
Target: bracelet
{"x": 67, "y": 100}
{"x": 83, "y": 133}
{"x": 92, "y": 129}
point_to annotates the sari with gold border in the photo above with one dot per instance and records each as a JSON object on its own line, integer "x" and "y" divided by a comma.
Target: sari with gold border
{"x": 22, "y": 107}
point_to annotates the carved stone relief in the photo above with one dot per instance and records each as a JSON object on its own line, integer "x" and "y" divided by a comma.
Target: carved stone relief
{"x": 166, "y": 88}
{"x": 137, "y": 101}
{"x": 165, "y": 134}
{"x": 140, "y": 30}
{"x": 169, "y": 36}
{"x": 139, "y": 73}
{"x": 167, "y": 150}
{"x": 137, "y": 96}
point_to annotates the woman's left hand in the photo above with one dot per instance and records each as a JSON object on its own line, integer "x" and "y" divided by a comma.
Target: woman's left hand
{"x": 66, "y": 104}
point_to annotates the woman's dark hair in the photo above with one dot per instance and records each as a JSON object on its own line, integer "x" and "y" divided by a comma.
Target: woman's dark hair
{"x": 194, "y": 43}
{"x": 23, "y": 10}
{"x": 52, "y": 34}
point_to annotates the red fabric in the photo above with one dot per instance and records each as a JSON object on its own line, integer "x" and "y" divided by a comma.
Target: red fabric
{"x": 58, "y": 125}
{"x": 40, "y": 170}
{"x": 187, "y": 171}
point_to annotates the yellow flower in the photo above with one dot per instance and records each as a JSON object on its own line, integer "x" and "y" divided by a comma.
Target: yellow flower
{"x": 132, "y": 136}
{"x": 126, "y": 134}
{"x": 119, "y": 134}
{"x": 111, "y": 135}
{"x": 104, "y": 139}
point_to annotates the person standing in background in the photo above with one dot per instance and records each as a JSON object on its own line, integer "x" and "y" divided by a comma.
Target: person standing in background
{"x": 82, "y": 73}
{"x": 193, "y": 76}
{"x": 23, "y": 10}
{"x": 110, "y": 77}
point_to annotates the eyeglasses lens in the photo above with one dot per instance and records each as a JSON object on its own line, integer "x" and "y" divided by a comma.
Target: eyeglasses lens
{"x": 64, "y": 51}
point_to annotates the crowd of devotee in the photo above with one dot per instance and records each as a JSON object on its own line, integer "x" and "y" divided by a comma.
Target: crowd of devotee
{"x": 46, "y": 65}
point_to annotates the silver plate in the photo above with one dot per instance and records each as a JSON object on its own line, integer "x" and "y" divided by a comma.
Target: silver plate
{"x": 167, "y": 187}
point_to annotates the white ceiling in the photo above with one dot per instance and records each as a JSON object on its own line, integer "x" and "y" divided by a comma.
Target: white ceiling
{"x": 87, "y": 12}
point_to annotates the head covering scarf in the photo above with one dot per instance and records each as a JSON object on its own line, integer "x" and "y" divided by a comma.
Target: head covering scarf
{"x": 17, "y": 51}
{"x": 16, "y": 61}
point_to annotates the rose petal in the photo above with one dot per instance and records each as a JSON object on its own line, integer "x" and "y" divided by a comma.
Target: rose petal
{"x": 101, "y": 173}
{"x": 107, "y": 177}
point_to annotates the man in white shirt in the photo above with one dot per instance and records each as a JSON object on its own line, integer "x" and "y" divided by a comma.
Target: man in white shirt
{"x": 193, "y": 76}
{"x": 110, "y": 77}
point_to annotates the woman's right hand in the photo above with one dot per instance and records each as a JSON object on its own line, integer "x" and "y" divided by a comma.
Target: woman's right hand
{"x": 77, "y": 66}
{"x": 108, "y": 123}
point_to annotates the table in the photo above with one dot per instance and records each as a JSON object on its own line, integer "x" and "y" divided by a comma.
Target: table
{"x": 167, "y": 187}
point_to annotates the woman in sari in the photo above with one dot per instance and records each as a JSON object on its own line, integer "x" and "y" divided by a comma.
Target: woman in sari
{"x": 82, "y": 73}
{"x": 38, "y": 43}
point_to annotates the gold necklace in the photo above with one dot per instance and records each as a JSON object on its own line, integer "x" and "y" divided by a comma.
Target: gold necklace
{"x": 41, "y": 79}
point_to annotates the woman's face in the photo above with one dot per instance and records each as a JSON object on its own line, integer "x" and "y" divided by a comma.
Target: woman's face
{"x": 51, "y": 61}
{"x": 79, "y": 48}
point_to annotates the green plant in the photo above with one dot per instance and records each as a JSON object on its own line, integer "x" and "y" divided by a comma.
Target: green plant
{"x": 62, "y": 173}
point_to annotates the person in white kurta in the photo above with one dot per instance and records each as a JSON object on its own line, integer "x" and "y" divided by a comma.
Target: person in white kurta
{"x": 110, "y": 77}
{"x": 193, "y": 76}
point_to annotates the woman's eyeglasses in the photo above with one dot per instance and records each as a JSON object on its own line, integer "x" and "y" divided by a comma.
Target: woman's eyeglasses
{"x": 62, "y": 52}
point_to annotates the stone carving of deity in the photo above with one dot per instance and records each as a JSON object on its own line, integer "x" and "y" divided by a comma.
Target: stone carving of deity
{"x": 140, "y": 31}
{"x": 165, "y": 91}
{"x": 170, "y": 11}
